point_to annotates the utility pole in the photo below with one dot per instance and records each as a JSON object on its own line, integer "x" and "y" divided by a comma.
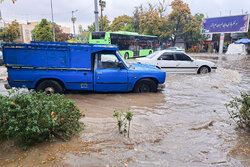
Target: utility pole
{"x": 102, "y": 4}
{"x": 53, "y": 27}
{"x": 73, "y": 19}
{"x": 96, "y": 17}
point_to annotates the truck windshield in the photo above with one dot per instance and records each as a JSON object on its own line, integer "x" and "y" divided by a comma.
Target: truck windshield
{"x": 124, "y": 61}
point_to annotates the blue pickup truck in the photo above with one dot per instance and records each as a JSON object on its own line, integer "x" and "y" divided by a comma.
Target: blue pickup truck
{"x": 54, "y": 67}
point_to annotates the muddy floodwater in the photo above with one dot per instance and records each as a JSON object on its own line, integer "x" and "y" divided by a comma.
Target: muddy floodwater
{"x": 186, "y": 124}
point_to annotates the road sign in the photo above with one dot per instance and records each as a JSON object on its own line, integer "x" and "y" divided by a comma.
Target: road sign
{"x": 226, "y": 24}
{"x": 208, "y": 36}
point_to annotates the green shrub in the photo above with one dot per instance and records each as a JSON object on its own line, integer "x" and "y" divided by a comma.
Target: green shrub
{"x": 239, "y": 110}
{"x": 30, "y": 118}
{"x": 122, "y": 120}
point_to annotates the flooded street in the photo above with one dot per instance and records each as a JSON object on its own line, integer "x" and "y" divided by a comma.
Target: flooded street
{"x": 186, "y": 124}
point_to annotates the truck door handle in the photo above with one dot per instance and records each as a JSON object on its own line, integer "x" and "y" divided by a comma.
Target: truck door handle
{"x": 99, "y": 72}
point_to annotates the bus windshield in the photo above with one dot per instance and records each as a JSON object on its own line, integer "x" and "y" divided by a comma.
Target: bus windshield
{"x": 124, "y": 61}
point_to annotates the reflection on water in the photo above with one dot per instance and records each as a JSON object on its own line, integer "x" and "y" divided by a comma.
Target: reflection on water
{"x": 175, "y": 127}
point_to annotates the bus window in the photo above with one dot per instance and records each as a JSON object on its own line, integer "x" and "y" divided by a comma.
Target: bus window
{"x": 98, "y": 35}
{"x": 123, "y": 41}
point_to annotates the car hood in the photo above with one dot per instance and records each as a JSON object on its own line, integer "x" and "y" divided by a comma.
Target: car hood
{"x": 137, "y": 66}
{"x": 204, "y": 62}
{"x": 142, "y": 59}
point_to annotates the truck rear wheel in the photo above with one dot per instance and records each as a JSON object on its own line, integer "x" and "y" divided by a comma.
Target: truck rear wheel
{"x": 49, "y": 87}
{"x": 145, "y": 86}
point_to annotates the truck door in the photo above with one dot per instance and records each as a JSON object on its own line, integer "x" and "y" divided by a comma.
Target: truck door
{"x": 108, "y": 75}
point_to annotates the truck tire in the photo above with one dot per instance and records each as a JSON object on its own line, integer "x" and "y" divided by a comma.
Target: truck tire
{"x": 145, "y": 86}
{"x": 49, "y": 87}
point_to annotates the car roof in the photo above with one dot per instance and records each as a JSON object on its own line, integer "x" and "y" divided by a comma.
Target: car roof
{"x": 172, "y": 51}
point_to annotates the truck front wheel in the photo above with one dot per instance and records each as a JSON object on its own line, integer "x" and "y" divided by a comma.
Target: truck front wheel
{"x": 145, "y": 86}
{"x": 49, "y": 87}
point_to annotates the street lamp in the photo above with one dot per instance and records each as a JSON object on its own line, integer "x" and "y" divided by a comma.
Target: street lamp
{"x": 102, "y": 4}
{"x": 53, "y": 27}
{"x": 73, "y": 19}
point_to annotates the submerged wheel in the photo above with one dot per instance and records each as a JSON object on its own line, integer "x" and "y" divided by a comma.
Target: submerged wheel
{"x": 145, "y": 86}
{"x": 126, "y": 56}
{"x": 49, "y": 87}
{"x": 203, "y": 70}
{"x": 150, "y": 51}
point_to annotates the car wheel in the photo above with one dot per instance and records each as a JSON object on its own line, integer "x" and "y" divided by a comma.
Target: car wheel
{"x": 150, "y": 51}
{"x": 145, "y": 86}
{"x": 50, "y": 87}
{"x": 126, "y": 55}
{"x": 203, "y": 70}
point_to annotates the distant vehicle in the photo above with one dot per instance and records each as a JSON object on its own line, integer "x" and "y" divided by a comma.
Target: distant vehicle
{"x": 176, "y": 49}
{"x": 1, "y": 58}
{"x": 54, "y": 67}
{"x": 131, "y": 44}
{"x": 177, "y": 62}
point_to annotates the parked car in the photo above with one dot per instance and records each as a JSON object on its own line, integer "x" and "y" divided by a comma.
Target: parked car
{"x": 176, "y": 49}
{"x": 1, "y": 58}
{"x": 177, "y": 62}
{"x": 55, "y": 67}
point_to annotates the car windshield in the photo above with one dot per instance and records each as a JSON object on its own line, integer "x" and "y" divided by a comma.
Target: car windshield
{"x": 124, "y": 61}
{"x": 153, "y": 55}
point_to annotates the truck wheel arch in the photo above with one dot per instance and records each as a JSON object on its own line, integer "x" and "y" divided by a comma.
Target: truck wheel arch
{"x": 154, "y": 83}
{"x": 50, "y": 79}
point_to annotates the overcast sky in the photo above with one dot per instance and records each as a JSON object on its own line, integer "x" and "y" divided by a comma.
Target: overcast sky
{"x": 35, "y": 10}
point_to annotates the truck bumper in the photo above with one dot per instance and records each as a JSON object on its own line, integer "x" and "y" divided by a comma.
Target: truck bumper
{"x": 7, "y": 86}
{"x": 161, "y": 86}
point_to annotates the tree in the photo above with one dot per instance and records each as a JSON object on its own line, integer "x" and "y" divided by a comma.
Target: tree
{"x": 129, "y": 27}
{"x": 177, "y": 19}
{"x": 191, "y": 31}
{"x": 11, "y": 32}
{"x": 43, "y": 31}
{"x": 136, "y": 18}
{"x": 60, "y": 35}
{"x": 83, "y": 35}
{"x": 120, "y": 22}
{"x": 106, "y": 22}
{"x": 13, "y": 1}
{"x": 152, "y": 22}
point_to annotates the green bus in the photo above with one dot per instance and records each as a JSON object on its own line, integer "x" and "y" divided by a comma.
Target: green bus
{"x": 131, "y": 44}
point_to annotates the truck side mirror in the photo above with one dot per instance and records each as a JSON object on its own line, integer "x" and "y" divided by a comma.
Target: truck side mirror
{"x": 120, "y": 65}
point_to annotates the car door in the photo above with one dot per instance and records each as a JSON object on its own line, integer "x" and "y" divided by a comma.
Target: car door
{"x": 167, "y": 62}
{"x": 109, "y": 76}
{"x": 184, "y": 63}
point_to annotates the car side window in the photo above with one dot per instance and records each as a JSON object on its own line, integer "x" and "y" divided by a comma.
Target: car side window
{"x": 182, "y": 57}
{"x": 108, "y": 61}
{"x": 166, "y": 56}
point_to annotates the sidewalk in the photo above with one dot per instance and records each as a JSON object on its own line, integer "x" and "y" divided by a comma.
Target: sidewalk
{"x": 3, "y": 73}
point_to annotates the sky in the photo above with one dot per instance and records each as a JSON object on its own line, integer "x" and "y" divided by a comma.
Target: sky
{"x": 35, "y": 10}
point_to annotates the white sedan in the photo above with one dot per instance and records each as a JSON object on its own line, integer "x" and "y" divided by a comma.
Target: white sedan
{"x": 177, "y": 62}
